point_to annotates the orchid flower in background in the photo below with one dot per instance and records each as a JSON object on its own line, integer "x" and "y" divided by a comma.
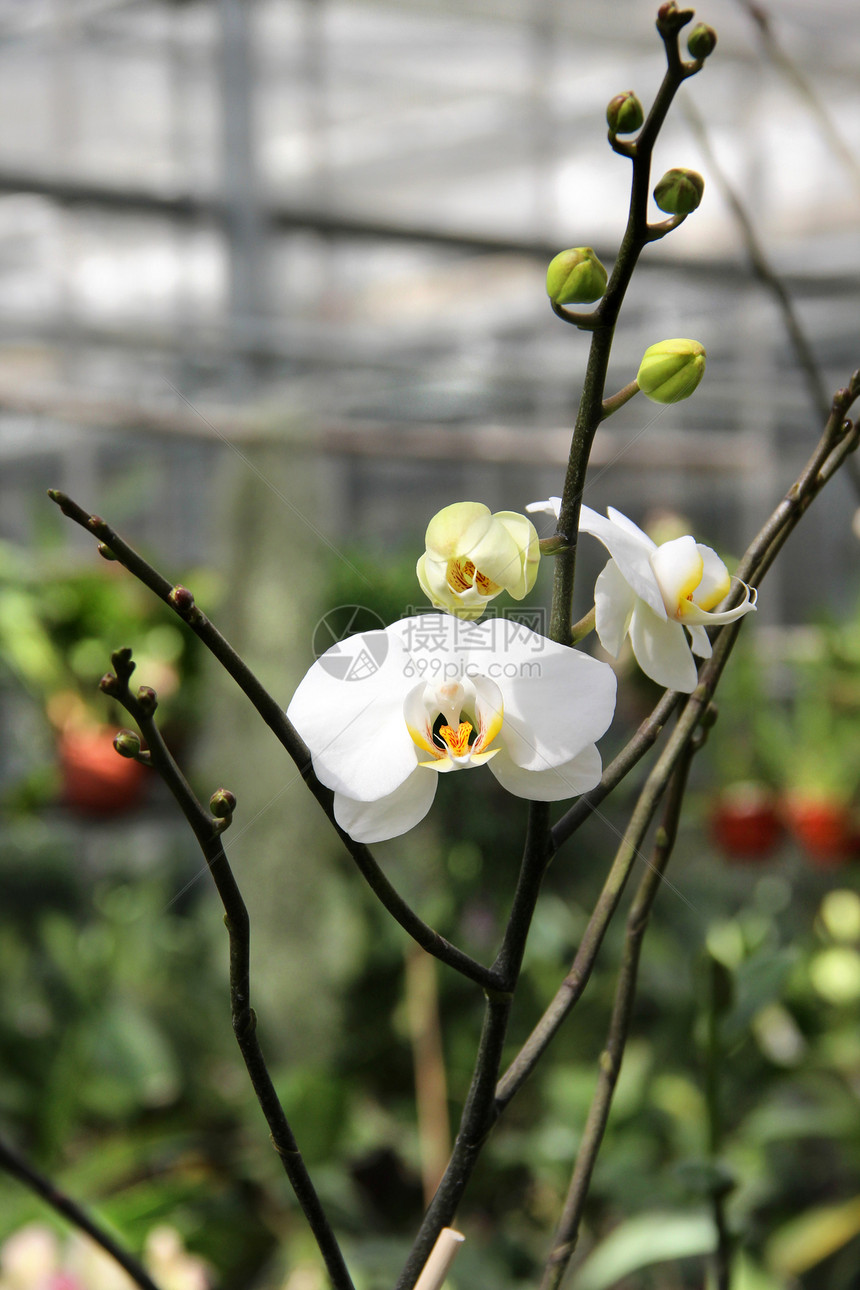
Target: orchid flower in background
{"x": 384, "y": 714}
{"x": 655, "y": 594}
{"x": 473, "y": 555}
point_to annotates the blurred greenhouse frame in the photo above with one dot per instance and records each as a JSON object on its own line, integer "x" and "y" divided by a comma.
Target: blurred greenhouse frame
{"x": 271, "y": 275}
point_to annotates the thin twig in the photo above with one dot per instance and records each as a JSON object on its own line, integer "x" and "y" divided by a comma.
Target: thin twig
{"x": 181, "y": 601}
{"x": 609, "y": 1066}
{"x": 207, "y": 829}
{"x": 16, "y": 1165}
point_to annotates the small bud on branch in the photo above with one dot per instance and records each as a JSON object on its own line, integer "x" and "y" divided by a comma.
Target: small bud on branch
{"x": 127, "y": 744}
{"x": 624, "y": 114}
{"x": 679, "y": 192}
{"x": 575, "y": 277}
{"x": 702, "y": 41}
{"x": 148, "y": 700}
{"x": 222, "y": 803}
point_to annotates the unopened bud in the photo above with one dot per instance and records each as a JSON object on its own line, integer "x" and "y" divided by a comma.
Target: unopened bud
{"x": 671, "y": 370}
{"x": 105, "y": 551}
{"x": 671, "y": 19}
{"x": 127, "y": 743}
{"x": 148, "y": 700}
{"x": 181, "y": 599}
{"x": 701, "y": 41}
{"x": 123, "y": 662}
{"x": 575, "y": 277}
{"x": 222, "y": 803}
{"x": 624, "y": 113}
{"x": 679, "y": 191}
{"x": 109, "y": 684}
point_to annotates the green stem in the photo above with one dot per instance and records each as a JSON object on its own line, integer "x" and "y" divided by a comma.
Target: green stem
{"x": 583, "y": 628}
{"x": 616, "y": 401}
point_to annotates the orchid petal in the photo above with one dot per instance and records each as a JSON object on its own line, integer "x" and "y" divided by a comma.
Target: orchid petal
{"x": 389, "y": 816}
{"x": 457, "y": 528}
{"x": 551, "y": 506}
{"x": 678, "y": 567}
{"x": 633, "y": 529}
{"x": 525, "y": 538}
{"x": 631, "y": 550}
{"x": 700, "y": 642}
{"x": 715, "y": 583}
{"x": 489, "y": 709}
{"x": 614, "y": 601}
{"x": 692, "y": 614}
{"x": 578, "y": 775}
{"x": 557, "y": 700}
{"x": 496, "y": 555}
{"x": 354, "y": 729}
{"x": 662, "y": 651}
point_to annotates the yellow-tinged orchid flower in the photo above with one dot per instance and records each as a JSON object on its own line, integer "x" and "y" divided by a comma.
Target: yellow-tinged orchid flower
{"x": 472, "y": 555}
{"x": 385, "y": 713}
{"x": 656, "y": 594}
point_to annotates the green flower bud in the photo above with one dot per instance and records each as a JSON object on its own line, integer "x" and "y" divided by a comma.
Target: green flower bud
{"x": 127, "y": 743}
{"x": 575, "y": 277}
{"x": 671, "y": 370}
{"x": 624, "y": 113}
{"x": 222, "y": 803}
{"x": 701, "y": 41}
{"x": 679, "y": 192}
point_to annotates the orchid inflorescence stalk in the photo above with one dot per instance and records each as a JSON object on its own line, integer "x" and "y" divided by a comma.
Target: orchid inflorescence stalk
{"x": 443, "y": 692}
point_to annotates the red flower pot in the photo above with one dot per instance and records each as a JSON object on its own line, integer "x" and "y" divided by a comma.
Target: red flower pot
{"x": 745, "y": 822}
{"x": 96, "y": 780}
{"x": 823, "y": 826}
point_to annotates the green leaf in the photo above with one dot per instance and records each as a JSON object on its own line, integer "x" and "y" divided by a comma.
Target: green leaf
{"x": 806, "y": 1240}
{"x": 642, "y": 1241}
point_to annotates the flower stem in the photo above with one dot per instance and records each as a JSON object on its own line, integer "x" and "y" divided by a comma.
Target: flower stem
{"x": 480, "y": 1112}
{"x": 602, "y": 324}
{"x": 567, "y": 1231}
{"x": 616, "y": 401}
{"x": 208, "y": 830}
{"x": 72, "y": 1212}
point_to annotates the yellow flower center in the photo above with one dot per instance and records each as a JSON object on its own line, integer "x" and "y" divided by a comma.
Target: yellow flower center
{"x": 456, "y": 741}
{"x": 462, "y": 575}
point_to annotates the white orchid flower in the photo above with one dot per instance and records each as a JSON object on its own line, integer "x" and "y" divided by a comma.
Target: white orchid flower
{"x": 385, "y": 713}
{"x": 656, "y": 595}
{"x": 473, "y": 555}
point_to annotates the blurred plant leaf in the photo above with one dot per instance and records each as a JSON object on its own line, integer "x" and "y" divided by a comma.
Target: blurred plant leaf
{"x": 643, "y": 1241}
{"x": 805, "y": 1241}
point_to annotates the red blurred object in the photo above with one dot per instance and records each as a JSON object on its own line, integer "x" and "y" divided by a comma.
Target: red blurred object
{"x": 745, "y": 823}
{"x": 823, "y": 826}
{"x": 96, "y": 780}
